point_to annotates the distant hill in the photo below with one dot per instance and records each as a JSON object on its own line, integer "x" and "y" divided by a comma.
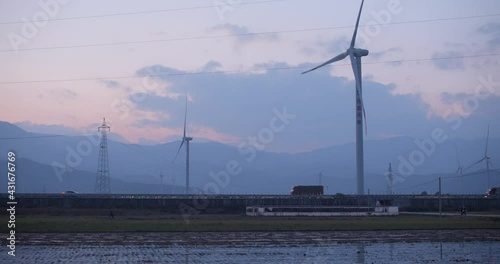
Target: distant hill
{"x": 33, "y": 177}
{"x": 8, "y": 130}
{"x": 47, "y": 156}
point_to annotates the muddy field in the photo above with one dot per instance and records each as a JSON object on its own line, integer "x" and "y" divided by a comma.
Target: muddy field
{"x": 466, "y": 246}
{"x": 255, "y": 238}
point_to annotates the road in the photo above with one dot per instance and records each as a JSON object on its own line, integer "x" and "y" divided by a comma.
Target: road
{"x": 451, "y": 214}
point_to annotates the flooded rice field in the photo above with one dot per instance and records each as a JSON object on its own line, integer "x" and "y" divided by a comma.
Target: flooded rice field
{"x": 471, "y": 246}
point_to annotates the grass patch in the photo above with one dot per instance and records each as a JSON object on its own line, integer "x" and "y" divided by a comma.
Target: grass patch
{"x": 64, "y": 224}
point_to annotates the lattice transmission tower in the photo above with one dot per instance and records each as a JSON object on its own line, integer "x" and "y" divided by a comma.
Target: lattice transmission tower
{"x": 102, "y": 182}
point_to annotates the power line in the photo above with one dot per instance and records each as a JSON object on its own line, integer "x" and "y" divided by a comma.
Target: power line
{"x": 141, "y": 12}
{"x": 242, "y": 71}
{"x": 207, "y": 7}
{"x": 229, "y": 35}
{"x": 44, "y": 136}
{"x": 470, "y": 174}
{"x": 448, "y": 177}
{"x": 418, "y": 185}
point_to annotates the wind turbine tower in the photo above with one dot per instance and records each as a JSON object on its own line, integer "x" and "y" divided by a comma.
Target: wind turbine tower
{"x": 460, "y": 170}
{"x": 161, "y": 182}
{"x": 187, "y": 140}
{"x": 355, "y": 55}
{"x": 102, "y": 183}
{"x": 390, "y": 180}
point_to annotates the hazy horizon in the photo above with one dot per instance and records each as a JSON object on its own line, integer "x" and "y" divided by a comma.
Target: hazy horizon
{"x": 432, "y": 65}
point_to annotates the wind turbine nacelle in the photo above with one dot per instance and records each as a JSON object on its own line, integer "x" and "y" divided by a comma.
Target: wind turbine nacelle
{"x": 360, "y": 52}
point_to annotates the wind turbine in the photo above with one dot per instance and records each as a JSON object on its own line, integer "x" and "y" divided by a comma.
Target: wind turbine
{"x": 185, "y": 139}
{"x": 486, "y": 159}
{"x": 460, "y": 169}
{"x": 355, "y": 55}
{"x": 390, "y": 180}
{"x": 161, "y": 182}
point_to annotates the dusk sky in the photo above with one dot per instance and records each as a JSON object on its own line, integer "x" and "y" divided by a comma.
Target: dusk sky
{"x": 432, "y": 64}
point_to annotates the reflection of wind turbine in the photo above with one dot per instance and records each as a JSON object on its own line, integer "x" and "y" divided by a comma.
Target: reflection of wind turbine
{"x": 185, "y": 139}
{"x": 486, "y": 159}
{"x": 355, "y": 56}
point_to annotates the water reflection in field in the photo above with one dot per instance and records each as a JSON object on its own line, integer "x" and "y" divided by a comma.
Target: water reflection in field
{"x": 419, "y": 252}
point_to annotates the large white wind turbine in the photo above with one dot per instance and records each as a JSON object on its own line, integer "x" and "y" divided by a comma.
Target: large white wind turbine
{"x": 185, "y": 139}
{"x": 486, "y": 159}
{"x": 355, "y": 55}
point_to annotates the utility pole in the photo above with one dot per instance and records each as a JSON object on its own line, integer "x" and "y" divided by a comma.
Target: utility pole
{"x": 102, "y": 183}
{"x": 161, "y": 182}
{"x": 440, "y": 202}
{"x": 173, "y": 180}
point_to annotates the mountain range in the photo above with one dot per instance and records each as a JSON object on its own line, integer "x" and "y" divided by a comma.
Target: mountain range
{"x": 55, "y": 163}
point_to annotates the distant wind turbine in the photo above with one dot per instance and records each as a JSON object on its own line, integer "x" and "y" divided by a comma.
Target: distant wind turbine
{"x": 185, "y": 139}
{"x": 355, "y": 55}
{"x": 390, "y": 180}
{"x": 460, "y": 169}
{"x": 486, "y": 159}
{"x": 161, "y": 182}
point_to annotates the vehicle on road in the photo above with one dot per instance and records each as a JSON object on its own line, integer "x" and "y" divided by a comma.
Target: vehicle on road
{"x": 69, "y": 193}
{"x": 492, "y": 192}
{"x": 307, "y": 190}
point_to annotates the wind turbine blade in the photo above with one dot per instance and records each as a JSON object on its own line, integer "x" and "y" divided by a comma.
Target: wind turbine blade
{"x": 185, "y": 119}
{"x": 179, "y": 150}
{"x": 356, "y": 68}
{"x": 334, "y": 59}
{"x": 487, "y": 139}
{"x": 476, "y": 163}
{"x": 353, "y": 41}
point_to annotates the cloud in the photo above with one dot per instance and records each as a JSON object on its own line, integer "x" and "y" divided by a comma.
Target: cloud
{"x": 449, "y": 98}
{"x": 492, "y": 30}
{"x": 326, "y": 48}
{"x": 158, "y": 80}
{"x": 61, "y": 96}
{"x": 65, "y": 94}
{"x": 238, "y": 106}
{"x": 447, "y": 60}
{"x": 211, "y": 66}
{"x": 161, "y": 76}
{"x": 243, "y": 34}
{"x": 111, "y": 83}
{"x": 158, "y": 72}
{"x": 380, "y": 54}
